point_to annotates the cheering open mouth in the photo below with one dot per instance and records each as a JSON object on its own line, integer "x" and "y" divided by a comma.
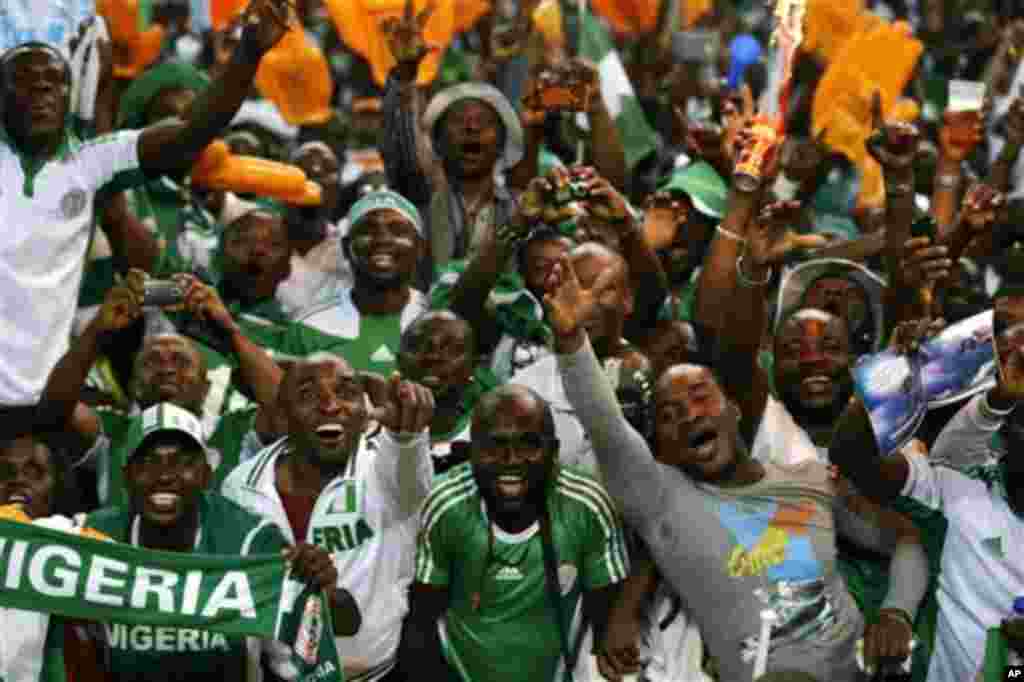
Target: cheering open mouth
{"x": 702, "y": 443}
{"x": 331, "y": 435}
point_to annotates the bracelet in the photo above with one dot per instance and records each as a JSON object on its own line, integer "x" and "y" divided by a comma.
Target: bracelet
{"x": 899, "y": 613}
{"x": 947, "y": 181}
{"x": 730, "y": 234}
{"x": 746, "y": 281}
{"x": 986, "y": 409}
{"x": 901, "y": 189}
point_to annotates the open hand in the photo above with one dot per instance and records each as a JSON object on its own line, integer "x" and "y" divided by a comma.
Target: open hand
{"x": 569, "y": 305}
{"x": 122, "y": 304}
{"x": 772, "y": 238}
{"x": 402, "y": 406}
{"x": 893, "y": 144}
{"x": 405, "y": 39}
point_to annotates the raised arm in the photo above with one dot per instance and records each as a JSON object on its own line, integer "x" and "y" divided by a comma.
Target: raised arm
{"x": 469, "y": 295}
{"x": 894, "y": 146}
{"x": 403, "y": 464}
{"x": 632, "y": 475}
{"x": 60, "y": 407}
{"x": 646, "y": 273}
{"x": 411, "y": 167}
{"x": 172, "y": 148}
{"x": 261, "y": 374}
{"x": 769, "y": 241}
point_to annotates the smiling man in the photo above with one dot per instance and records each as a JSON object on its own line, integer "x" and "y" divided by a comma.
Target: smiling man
{"x": 170, "y": 509}
{"x": 510, "y": 543}
{"x": 355, "y": 496}
{"x": 52, "y": 181}
{"x": 383, "y": 244}
{"x": 733, "y": 535}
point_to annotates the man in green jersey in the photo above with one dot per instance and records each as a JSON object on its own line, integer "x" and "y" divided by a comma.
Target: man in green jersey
{"x": 171, "y": 509}
{"x": 383, "y": 244}
{"x": 508, "y": 544}
{"x": 168, "y": 368}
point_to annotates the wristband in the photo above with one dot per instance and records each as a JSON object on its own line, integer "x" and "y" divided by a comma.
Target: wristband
{"x": 746, "y": 281}
{"x": 730, "y": 234}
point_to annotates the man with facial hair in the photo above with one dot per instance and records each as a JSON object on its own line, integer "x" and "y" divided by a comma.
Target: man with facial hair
{"x": 383, "y": 243}
{"x": 511, "y": 546}
{"x": 353, "y": 493}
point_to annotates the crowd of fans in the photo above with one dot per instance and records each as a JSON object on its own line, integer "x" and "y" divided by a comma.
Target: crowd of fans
{"x": 531, "y": 406}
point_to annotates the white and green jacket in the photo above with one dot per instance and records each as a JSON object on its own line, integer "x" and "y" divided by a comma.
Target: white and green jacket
{"x": 366, "y": 518}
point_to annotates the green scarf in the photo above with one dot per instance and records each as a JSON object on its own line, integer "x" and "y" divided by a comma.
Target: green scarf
{"x": 86, "y": 579}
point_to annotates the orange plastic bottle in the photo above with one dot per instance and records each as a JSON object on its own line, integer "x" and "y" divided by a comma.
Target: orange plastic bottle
{"x": 217, "y": 168}
{"x": 296, "y": 78}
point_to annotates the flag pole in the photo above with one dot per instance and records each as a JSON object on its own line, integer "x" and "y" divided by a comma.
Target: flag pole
{"x": 581, "y": 7}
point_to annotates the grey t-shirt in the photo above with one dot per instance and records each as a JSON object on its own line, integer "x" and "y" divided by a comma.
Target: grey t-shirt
{"x": 730, "y": 553}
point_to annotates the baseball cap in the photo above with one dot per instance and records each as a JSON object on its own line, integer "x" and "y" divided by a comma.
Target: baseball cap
{"x": 163, "y": 418}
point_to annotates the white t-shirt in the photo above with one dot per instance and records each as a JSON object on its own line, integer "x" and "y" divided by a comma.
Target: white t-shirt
{"x": 48, "y": 219}
{"x": 981, "y": 571}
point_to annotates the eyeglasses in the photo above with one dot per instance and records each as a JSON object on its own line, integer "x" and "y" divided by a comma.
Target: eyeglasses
{"x": 529, "y": 447}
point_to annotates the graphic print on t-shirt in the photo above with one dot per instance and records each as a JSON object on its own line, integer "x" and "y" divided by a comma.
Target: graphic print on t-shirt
{"x": 771, "y": 539}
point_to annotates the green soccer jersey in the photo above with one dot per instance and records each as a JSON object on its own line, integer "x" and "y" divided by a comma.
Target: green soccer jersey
{"x": 232, "y": 436}
{"x": 376, "y": 347}
{"x": 144, "y": 653}
{"x": 500, "y": 625}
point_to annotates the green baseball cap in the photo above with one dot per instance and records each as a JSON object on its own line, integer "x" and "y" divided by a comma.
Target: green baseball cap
{"x": 703, "y": 185}
{"x": 163, "y": 418}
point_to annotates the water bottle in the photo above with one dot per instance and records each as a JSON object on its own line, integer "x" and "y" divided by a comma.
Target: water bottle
{"x": 1012, "y": 657}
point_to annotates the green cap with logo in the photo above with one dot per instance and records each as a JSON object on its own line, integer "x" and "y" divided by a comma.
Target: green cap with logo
{"x": 380, "y": 199}
{"x": 163, "y": 419}
{"x": 703, "y": 185}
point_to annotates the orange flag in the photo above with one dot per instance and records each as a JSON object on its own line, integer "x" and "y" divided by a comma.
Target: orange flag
{"x": 880, "y": 58}
{"x": 358, "y": 23}
{"x": 134, "y": 49}
{"x": 628, "y": 17}
{"x": 295, "y": 76}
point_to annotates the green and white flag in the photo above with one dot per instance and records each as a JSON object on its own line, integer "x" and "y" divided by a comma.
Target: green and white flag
{"x": 87, "y": 579}
{"x": 638, "y": 138}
